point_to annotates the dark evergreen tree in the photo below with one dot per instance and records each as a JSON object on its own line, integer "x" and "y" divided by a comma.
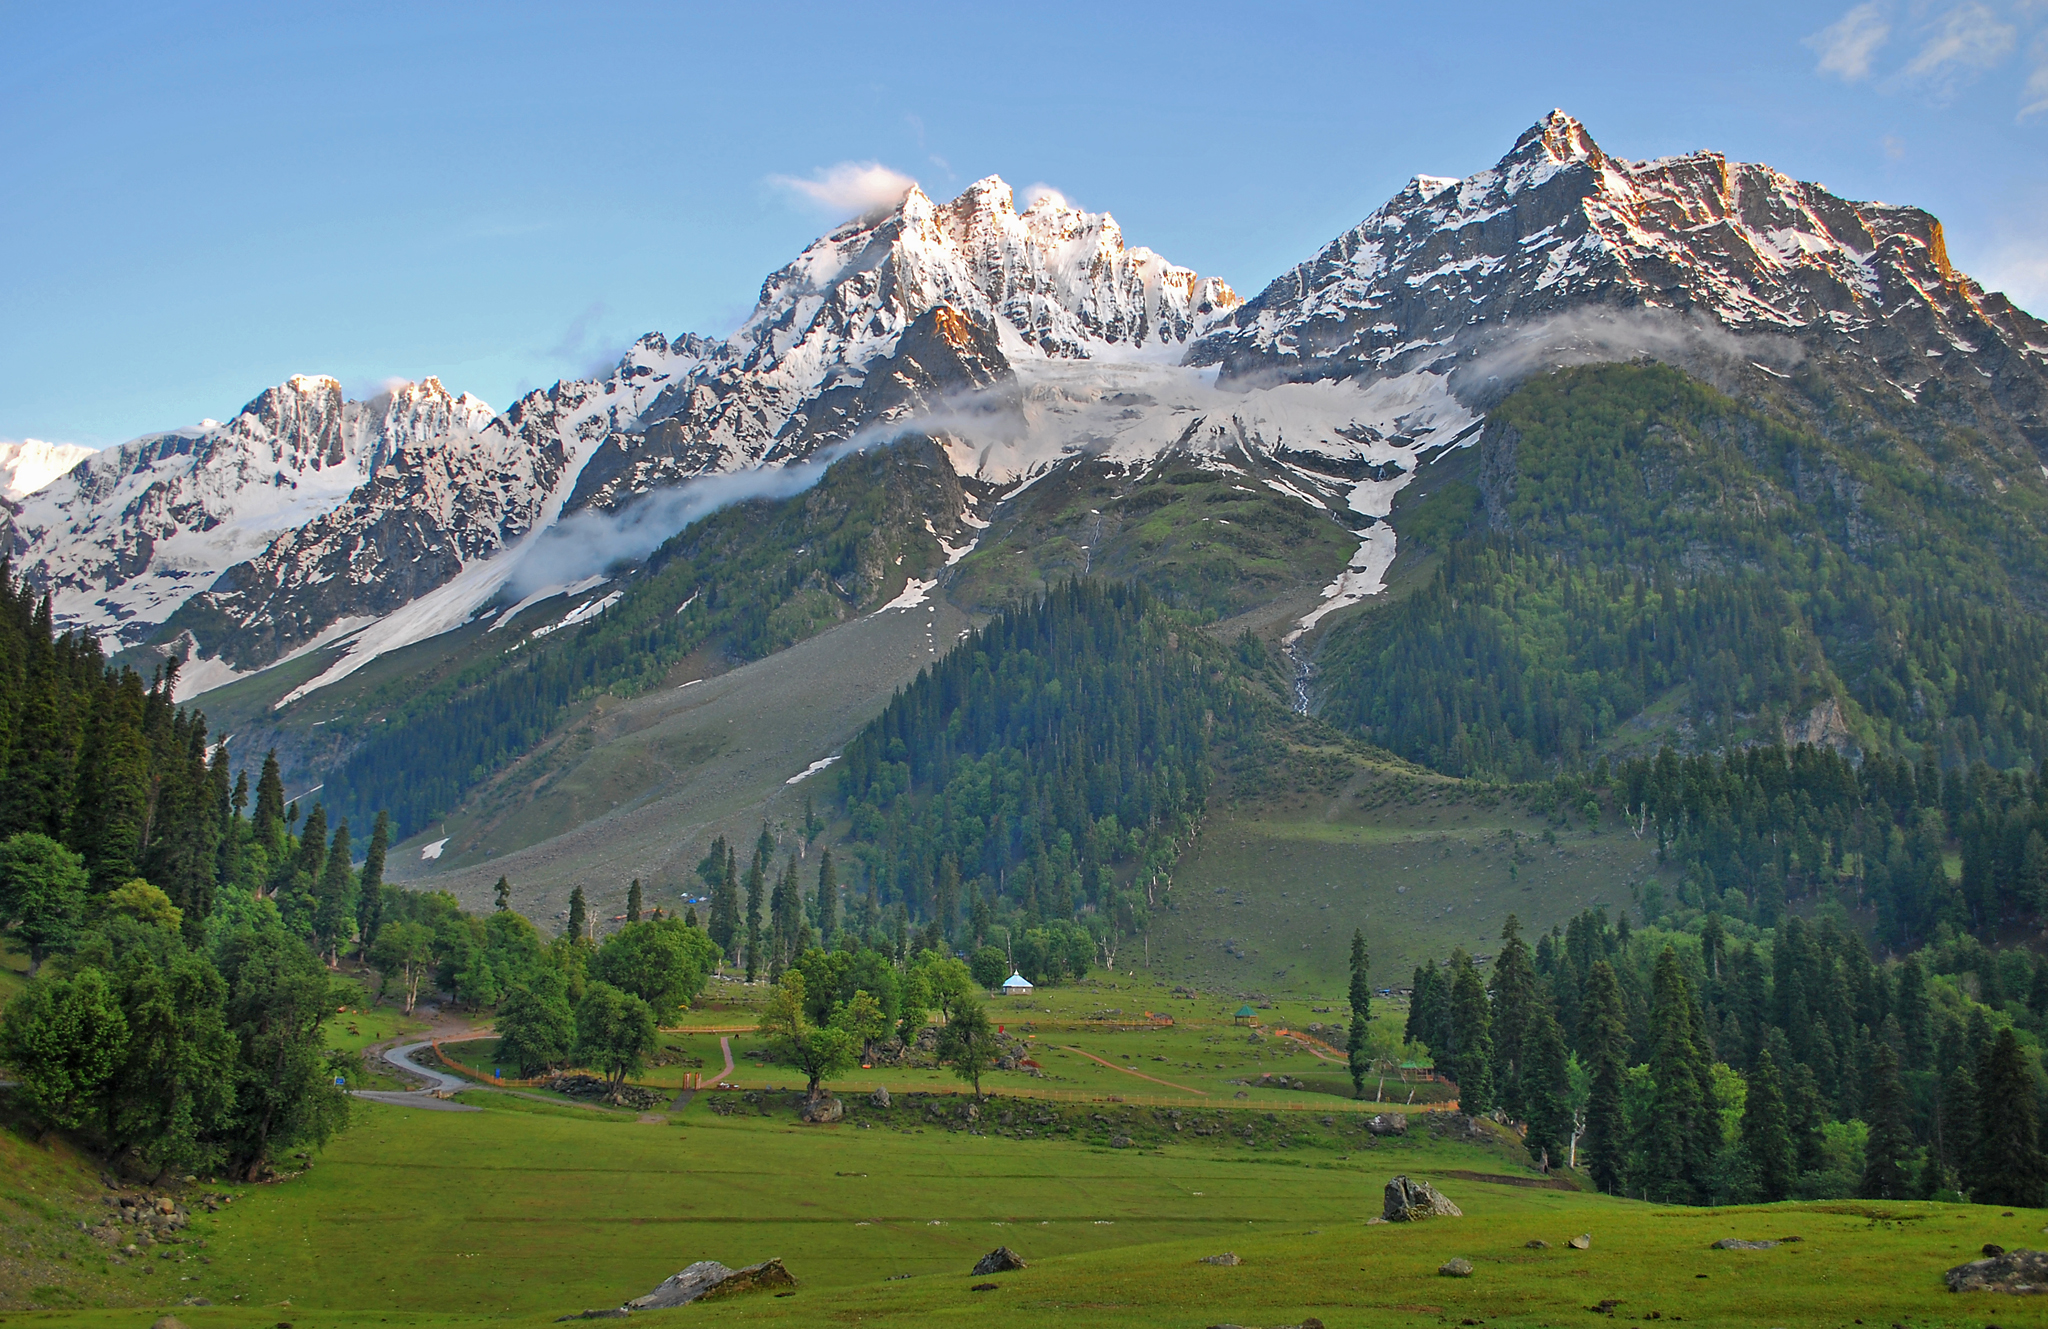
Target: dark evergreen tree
{"x": 1605, "y": 1040}
{"x": 1888, "y": 1149}
{"x": 501, "y": 895}
{"x": 1670, "y": 1133}
{"x": 1471, "y": 1038}
{"x": 1361, "y": 1013}
{"x": 579, "y": 917}
{"x": 334, "y": 915}
{"x": 828, "y": 900}
{"x": 1546, "y": 1086}
{"x": 757, "y": 886}
{"x": 1767, "y": 1132}
{"x": 2005, "y": 1165}
{"x": 633, "y": 902}
{"x": 269, "y": 817}
{"x": 1513, "y": 990}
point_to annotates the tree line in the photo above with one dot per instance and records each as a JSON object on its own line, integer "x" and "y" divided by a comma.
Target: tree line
{"x": 1706, "y": 1067}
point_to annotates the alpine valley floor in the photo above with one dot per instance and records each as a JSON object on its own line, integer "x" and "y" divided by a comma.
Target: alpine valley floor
{"x": 522, "y": 1213}
{"x": 1114, "y": 1177}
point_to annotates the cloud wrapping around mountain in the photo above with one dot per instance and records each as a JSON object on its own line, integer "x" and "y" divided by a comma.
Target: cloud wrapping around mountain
{"x": 852, "y": 189}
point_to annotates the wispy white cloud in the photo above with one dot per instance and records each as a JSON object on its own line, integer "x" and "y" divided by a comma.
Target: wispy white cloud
{"x": 2034, "y": 98}
{"x": 1041, "y": 192}
{"x": 1965, "y": 41}
{"x": 850, "y": 188}
{"x": 1847, "y": 46}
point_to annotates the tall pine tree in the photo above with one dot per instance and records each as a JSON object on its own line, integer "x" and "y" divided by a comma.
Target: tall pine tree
{"x": 1766, "y": 1132}
{"x": 1890, "y": 1143}
{"x": 1471, "y": 1037}
{"x": 1605, "y": 1039}
{"x": 2006, "y": 1166}
{"x": 1361, "y": 1013}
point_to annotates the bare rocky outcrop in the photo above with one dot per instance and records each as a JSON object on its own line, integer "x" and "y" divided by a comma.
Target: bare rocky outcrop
{"x": 822, "y": 1111}
{"x": 998, "y": 1261}
{"x": 2018, "y": 1272}
{"x": 1409, "y": 1201}
{"x": 1388, "y": 1123}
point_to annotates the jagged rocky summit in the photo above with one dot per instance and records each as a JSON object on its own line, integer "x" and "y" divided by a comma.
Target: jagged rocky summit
{"x": 308, "y": 519}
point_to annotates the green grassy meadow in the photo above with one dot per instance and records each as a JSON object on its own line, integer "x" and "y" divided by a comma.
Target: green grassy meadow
{"x": 522, "y": 1212}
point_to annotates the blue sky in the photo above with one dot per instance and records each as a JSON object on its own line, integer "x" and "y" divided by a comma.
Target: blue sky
{"x": 199, "y": 200}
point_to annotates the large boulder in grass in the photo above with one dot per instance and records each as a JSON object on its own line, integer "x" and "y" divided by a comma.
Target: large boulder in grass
{"x": 1410, "y": 1201}
{"x": 708, "y": 1279}
{"x": 999, "y": 1261}
{"x": 822, "y": 1111}
{"x": 2019, "y": 1272}
{"x": 1388, "y": 1123}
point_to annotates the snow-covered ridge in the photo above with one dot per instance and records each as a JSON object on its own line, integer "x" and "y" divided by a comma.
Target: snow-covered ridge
{"x": 129, "y": 534}
{"x": 1448, "y": 268}
{"x": 842, "y": 339}
{"x": 31, "y": 464}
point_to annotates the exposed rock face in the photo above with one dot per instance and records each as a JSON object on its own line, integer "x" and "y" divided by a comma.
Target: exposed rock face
{"x": 1448, "y": 271}
{"x": 1410, "y": 1201}
{"x": 880, "y": 1098}
{"x": 1388, "y": 1123}
{"x": 2022, "y": 1272}
{"x": 1000, "y": 1260}
{"x": 1227, "y": 1258}
{"x": 1738, "y": 1244}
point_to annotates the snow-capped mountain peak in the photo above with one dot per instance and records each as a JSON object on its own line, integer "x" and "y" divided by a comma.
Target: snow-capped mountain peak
{"x": 127, "y": 535}
{"x": 1446, "y": 270}
{"x": 32, "y": 463}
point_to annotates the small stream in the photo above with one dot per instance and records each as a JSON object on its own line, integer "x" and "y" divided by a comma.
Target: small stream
{"x": 1303, "y": 671}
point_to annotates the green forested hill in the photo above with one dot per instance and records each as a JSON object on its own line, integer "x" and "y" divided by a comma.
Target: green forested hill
{"x": 1646, "y": 560}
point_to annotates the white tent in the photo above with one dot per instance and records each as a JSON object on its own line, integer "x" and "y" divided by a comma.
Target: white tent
{"x": 1016, "y": 985}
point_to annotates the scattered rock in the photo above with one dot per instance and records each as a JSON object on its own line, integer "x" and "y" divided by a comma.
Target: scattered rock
{"x": 822, "y": 1111}
{"x": 880, "y": 1098}
{"x": 1455, "y": 1267}
{"x": 1538, "y": 1244}
{"x": 709, "y": 1278}
{"x": 1374, "y": 1219}
{"x": 167, "y": 1322}
{"x": 753, "y": 1278}
{"x": 998, "y": 1261}
{"x": 984, "y": 1287}
{"x": 1582, "y": 1242}
{"x": 1388, "y": 1123}
{"x": 1993, "y": 1248}
{"x": 1737, "y": 1244}
{"x": 1119, "y": 1141}
{"x": 1228, "y": 1257}
{"x": 2010, "y": 1271}
{"x": 1407, "y": 1201}
{"x": 615, "y": 1313}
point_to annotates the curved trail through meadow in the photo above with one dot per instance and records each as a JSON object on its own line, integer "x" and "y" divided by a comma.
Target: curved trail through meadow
{"x": 1140, "y": 1074}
